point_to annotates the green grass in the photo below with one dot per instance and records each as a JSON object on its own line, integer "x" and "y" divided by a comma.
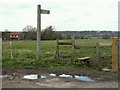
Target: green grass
{"x": 24, "y": 54}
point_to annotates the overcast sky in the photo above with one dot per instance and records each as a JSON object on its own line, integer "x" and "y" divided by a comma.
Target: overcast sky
{"x": 69, "y": 15}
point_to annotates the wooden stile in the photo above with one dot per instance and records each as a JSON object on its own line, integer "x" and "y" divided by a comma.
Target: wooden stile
{"x": 72, "y": 43}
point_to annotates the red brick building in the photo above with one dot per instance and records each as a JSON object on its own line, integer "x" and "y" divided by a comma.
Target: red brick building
{"x": 15, "y": 35}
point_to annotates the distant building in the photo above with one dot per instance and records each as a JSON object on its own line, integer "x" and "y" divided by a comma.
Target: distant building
{"x": 15, "y": 35}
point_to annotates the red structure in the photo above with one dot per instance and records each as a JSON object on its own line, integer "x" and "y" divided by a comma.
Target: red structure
{"x": 15, "y": 35}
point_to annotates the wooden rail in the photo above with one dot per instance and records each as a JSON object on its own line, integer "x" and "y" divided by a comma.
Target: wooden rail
{"x": 64, "y": 43}
{"x": 105, "y": 44}
{"x": 84, "y": 58}
{"x": 78, "y": 47}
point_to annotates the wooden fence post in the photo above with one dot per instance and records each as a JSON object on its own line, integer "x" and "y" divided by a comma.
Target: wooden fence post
{"x": 118, "y": 53}
{"x": 73, "y": 47}
{"x": 1, "y": 55}
{"x": 114, "y": 54}
{"x": 57, "y": 49}
{"x": 97, "y": 51}
{"x": 11, "y": 52}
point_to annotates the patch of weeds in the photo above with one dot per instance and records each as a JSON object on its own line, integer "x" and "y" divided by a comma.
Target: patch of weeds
{"x": 79, "y": 63}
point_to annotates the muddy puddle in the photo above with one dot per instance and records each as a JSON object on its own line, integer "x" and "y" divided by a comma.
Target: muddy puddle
{"x": 84, "y": 78}
{"x": 5, "y": 76}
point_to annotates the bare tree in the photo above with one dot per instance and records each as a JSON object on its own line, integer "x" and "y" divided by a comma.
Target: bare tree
{"x": 28, "y": 28}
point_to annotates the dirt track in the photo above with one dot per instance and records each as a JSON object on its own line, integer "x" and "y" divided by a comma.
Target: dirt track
{"x": 56, "y": 82}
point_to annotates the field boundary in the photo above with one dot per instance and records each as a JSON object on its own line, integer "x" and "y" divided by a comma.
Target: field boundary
{"x": 114, "y": 45}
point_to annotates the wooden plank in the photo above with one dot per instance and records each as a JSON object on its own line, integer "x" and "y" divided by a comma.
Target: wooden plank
{"x": 83, "y": 58}
{"x": 114, "y": 54}
{"x": 64, "y": 43}
{"x": 105, "y": 44}
{"x": 77, "y": 47}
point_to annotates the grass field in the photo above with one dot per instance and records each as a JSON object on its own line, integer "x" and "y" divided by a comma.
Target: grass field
{"x": 24, "y": 54}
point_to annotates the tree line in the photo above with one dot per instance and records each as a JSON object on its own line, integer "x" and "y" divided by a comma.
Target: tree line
{"x": 30, "y": 33}
{"x": 49, "y": 33}
{"x": 46, "y": 34}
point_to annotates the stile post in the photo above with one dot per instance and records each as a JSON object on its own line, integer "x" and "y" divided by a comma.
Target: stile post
{"x": 73, "y": 47}
{"x": 114, "y": 54}
{"x": 97, "y": 51}
{"x": 38, "y": 31}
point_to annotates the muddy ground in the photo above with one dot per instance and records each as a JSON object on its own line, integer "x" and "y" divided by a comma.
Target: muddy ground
{"x": 102, "y": 79}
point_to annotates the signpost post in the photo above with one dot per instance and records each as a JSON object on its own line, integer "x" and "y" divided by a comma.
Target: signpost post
{"x": 39, "y": 12}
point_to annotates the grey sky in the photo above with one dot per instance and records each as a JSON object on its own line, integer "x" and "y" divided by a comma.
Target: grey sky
{"x": 65, "y": 14}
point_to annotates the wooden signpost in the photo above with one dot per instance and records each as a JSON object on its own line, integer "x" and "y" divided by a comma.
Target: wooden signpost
{"x": 39, "y": 12}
